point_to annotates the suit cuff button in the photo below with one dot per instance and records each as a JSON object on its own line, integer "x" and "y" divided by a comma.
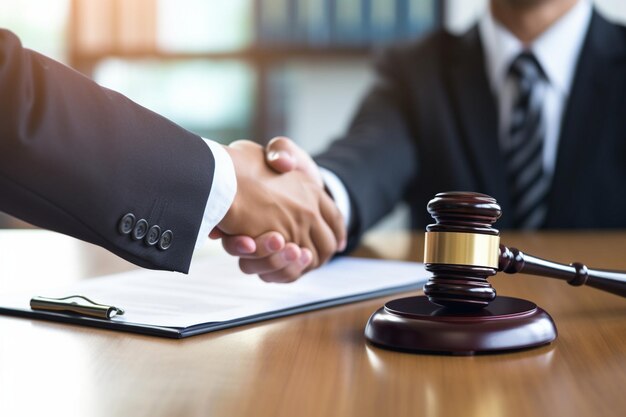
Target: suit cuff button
{"x": 153, "y": 235}
{"x": 166, "y": 240}
{"x": 126, "y": 224}
{"x": 140, "y": 230}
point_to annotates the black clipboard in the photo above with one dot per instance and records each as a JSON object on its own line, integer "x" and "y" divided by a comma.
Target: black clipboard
{"x": 201, "y": 328}
{"x": 373, "y": 278}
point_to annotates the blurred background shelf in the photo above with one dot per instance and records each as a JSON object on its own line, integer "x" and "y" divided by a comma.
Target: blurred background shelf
{"x": 192, "y": 49}
{"x": 231, "y": 69}
{"x": 227, "y": 69}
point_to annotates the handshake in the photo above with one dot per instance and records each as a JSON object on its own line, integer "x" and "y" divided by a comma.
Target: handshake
{"x": 282, "y": 223}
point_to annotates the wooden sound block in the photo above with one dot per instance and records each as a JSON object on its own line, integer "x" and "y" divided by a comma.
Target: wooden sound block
{"x": 416, "y": 324}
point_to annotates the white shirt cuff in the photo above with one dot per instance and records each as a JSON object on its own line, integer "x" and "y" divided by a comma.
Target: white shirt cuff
{"x": 222, "y": 193}
{"x": 339, "y": 193}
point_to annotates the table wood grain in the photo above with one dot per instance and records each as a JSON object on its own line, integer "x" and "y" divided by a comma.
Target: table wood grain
{"x": 312, "y": 364}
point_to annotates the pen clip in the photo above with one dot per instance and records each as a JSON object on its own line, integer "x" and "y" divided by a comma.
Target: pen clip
{"x": 76, "y": 304}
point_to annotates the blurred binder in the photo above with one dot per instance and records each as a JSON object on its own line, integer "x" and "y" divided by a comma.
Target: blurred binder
{"x": 274, "y": 21}
{"x": 384, "y": 20}
{"x": 421, "y": 16}
{"x": 314, "y": 22}
{"x": 349, "y": 27}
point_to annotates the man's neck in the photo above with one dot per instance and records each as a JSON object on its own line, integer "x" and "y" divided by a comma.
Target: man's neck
{"x": 527, "y": 19}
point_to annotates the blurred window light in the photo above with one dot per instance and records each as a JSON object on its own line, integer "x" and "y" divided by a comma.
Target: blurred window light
{"x": 211, "y": 98}
{"x": 203, "y": 26}
{"x": 40, "y": 24}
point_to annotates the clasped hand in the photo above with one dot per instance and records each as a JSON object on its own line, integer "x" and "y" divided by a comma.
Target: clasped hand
{"x": 280, "y": 198}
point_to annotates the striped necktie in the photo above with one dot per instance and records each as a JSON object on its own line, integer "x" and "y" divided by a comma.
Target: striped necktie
{"x": 523, "y": 150}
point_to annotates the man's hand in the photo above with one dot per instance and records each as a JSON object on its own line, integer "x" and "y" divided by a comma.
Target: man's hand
{"x": 283, "y": 155}
{"x": 267, "y": 255}
{"x": 293, "y": 204}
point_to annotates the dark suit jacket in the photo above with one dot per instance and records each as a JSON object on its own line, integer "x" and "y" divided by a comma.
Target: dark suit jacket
{"x": 76, "y": 157}
{"x": 430, "y": 124}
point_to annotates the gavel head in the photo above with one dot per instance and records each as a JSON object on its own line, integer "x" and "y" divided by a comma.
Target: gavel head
{"x": 461, "y": 250}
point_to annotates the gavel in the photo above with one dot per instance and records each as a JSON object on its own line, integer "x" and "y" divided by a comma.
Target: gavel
{"x": 460, "y": 313}
{"x": 463, "y": 249}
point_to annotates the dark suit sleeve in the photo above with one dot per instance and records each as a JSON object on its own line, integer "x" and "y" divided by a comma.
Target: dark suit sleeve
{"x": 76, "y": 157}
{"x": 376, "y": 160}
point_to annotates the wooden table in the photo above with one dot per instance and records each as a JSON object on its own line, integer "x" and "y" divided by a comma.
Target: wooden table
{"x": 313, "y": 364}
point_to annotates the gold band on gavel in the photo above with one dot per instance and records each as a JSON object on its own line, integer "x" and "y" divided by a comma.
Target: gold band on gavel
{"x": 455, "y": 248}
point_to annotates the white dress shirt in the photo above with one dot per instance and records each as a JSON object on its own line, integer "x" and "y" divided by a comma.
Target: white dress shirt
{"x": 557, "y": 50}
{"x": 222, "y": 192}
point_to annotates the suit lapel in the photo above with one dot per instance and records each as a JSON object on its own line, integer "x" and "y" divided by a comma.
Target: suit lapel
{"x": 596, "y": 88}
{"x": 477, "y": 114}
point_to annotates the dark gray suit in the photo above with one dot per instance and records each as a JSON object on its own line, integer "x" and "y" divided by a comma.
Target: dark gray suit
{"x": 430, "y": 124}
{"x": 77, "y": 158}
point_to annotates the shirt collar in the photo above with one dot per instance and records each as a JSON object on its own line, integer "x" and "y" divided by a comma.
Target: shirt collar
{"x": 557, "y": 49}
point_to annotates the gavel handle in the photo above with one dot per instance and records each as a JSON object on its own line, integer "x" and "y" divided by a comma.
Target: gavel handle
{"x": 513, "y": 261}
